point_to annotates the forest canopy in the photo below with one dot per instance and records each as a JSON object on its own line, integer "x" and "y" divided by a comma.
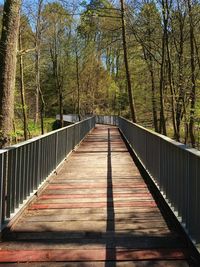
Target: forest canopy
{"x": 110, "y": 57}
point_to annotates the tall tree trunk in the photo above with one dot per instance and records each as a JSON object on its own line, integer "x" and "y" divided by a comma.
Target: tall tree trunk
{"x": 8, "y": 44}
{"x": 169, "y": 66}
{"x": 180, "y": 101}
{"x": 37, "y": 66}
{"x": 61, "y": 107}
{"x": 78, "y": 84}
{"x": 193, "y": 88}
{"x": 150, "y": 65}
{"x": 22, "y": 89}
{"x": 162, "y": 127}
{"x": 42, "y": 109}
{"x": 172, "y": 96}
{"x": 149, "y": 62}
{"x": 58, "y": 80}
{"x": 153, "y": 96}
{"x": 131, "y": 100}
{"x": 60, "y": 93}
{"x": 15, "y": 133}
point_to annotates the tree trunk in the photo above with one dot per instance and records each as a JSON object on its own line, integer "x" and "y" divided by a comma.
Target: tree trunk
{"x": 22, "y": 89}
{"x": 15, "y": 133}
{"x": 171, "y": 88}
{"x": 37, "y": 64}
{"x": 193, "y": 88}
{"x": 8, "y": 44}
{"x": 162, "y": 127}
{"x": 153, "y": 96}
{"x": 42, "y": 108}
{"x": 61, "y": 107}
{"x": 131, "y": 100}
{"x": 58, "y": 81}
{"x": 180, "y": 101}
{"x": 149, "y": 60}
{"x": 78, "y": 85}
{"x": 169, "y": 65}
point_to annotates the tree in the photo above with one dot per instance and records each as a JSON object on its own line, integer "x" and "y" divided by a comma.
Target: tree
{"x": 8, "y": 45}
{"x": 178, "y": 35}
{"x": 39, "y": 100}
{"x": 57, "y": 33}
{"x": 147, "y": 32}
{"x": 22, "y": 87}
{"x": 193, "y": 81}
{"x": 131, "y": 100}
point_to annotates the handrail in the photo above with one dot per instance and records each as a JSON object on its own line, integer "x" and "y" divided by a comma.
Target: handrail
{"x": 174, "y": 168}
{"x": 107, "y": 119}
{"x": 24, "y": 166}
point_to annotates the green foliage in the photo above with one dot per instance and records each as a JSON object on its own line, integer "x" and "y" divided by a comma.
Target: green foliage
{"x": 33, "y": 129}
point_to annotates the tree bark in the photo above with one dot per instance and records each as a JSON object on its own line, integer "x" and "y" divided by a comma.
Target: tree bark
{"x": 193, "y": 88}
{"x": 37, "y": 63}
{"x": 169, "y": 67}
{"x": 153, "y": 96}
{"x": 8, "y": 44}
{"x": 171, "y": 88}
{"x": 22, "y": 89}
{"x": 150, "y": 65}
{"x": 162, "y": 127}
{"x": 78, "y": 85}
{"x": 131, "y": 100}
{"x": 180, "y": 101}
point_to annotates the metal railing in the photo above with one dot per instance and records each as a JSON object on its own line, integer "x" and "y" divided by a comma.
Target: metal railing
{"x": 174, "y": 168}
{"x": 23, "y": 167}
{"x": 110, "y": 120}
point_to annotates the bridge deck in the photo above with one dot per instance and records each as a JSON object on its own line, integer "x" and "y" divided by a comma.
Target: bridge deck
{"x": 97, "y": 211}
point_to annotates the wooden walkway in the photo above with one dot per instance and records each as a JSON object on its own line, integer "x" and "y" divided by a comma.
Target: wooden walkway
{"x": 97, "y": 211}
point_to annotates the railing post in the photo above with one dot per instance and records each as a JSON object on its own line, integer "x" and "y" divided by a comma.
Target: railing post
{"x": 56, "y": 148}
{"x": 3, "y": 186}
{"x": 1, "y": 189}
{"x": 38, "y": 160}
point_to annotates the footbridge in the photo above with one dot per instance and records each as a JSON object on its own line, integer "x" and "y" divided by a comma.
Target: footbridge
{"x": 101, "y": 192}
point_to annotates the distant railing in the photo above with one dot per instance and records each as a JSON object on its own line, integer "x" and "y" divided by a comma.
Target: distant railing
{"x": 23, "y": 167}
{"x": 110, "y": 120}
{"x": 174, "y": 168}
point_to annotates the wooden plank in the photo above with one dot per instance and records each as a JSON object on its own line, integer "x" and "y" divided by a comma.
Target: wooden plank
{"x": 158, "y": 263}
{"x": 88, "y": 217}
{"x": 54, "y": 215}
{"x": 93, "y": 200}
{"x": 91, "y": 226}
{"x": 116, "y": 195}
{"x": 140, "y": 242}
{"x": 91, "y": 186}
{"x": 78, "y": 235}
{"x": 89, "y": 255}
{"x": 91, "y": 205}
